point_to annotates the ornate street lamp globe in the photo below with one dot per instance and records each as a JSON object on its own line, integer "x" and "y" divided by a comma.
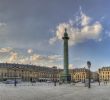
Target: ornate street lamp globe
{"x": 88, "y": 64}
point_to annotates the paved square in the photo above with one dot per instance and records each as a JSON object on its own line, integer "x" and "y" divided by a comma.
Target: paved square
{"x": 46, "y": 91}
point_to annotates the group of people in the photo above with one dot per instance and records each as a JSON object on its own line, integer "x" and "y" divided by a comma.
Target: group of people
{"x": 105, "y": 82}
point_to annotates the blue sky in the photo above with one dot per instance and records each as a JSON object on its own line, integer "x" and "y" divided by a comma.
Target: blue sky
{"x": 31, "y": 31}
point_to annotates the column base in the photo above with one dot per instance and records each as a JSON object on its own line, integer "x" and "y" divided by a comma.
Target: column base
{"x": 65, "y": 78}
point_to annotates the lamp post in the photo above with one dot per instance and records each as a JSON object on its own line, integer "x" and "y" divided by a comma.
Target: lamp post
{"x": 54, "y": 75}
{"x": 89, "y": 65}
{"x": 15, "y": 82}
{"x": 83, "y": 77}
{"x": 22, "y": 76}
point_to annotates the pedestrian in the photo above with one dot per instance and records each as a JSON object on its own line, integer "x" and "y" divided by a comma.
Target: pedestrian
{"x": 54, "y": 83}
{"x": 60, "y": 82}
{"x": 99, "y": 82}
{"x": 106, "y": 82}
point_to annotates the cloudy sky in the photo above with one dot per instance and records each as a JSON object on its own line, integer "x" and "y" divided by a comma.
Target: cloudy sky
{"x": 31, "y": 32}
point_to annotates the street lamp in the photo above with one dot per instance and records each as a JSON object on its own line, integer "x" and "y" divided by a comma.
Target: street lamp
{"x": 99, "y": 77}
{"x": 54, "y": 75}
{"x": 89, "y": 65}
{"x": 15, "y": 82}
{"x": 22, "y": 76}
{"x": 83, "y": 77}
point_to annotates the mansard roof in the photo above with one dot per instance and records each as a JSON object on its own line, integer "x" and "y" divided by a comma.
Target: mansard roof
{"x": 80, "y": 69}
{"x": 25, "y": 66}
{"x": 105, "y": 68}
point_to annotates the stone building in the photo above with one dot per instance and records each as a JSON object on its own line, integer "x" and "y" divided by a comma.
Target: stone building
{"x": 104, "y": 74}
{"x": 79, "y": 74}
{"x": 41, "y": 73}
{"x": 28, "y": 72}
{"x": 95, "y": 76}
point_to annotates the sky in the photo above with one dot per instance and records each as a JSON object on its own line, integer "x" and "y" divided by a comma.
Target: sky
{"x": 31, "y": 32}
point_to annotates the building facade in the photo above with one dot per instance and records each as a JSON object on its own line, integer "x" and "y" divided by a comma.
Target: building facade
{"x": 42, "y": 73}
{"x": 79, "y": 74}
{"x": 104, "y": 74}
{"x": 28, "y": 72}
{"x": 95, "y": 76}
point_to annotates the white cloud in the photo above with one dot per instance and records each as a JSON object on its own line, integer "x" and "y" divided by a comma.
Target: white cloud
{"x": 13, "y": 57}
{"x": 36, "y": 59}
{"x": 10, "y": 55}
{"x": 52, "y": 40}
{"x": 24, "y": 60}
{"x": 100, "y": 39}
{"x": 108, "y": 33}
{"x": 85, "y": 20}
{"x": 79, "y": 30}
{"x": 2, "y": 24}
{"x": 55, "y": 58}
{"x": 71, "y": 66}
{"x": 29, "y": 50}
{"x": 4, "y": 50}
{"x": 42, "y": 58}
{"x": 3, "y": 28}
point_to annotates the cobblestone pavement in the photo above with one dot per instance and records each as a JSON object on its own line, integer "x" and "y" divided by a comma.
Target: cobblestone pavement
{"x": 47, "y": 91}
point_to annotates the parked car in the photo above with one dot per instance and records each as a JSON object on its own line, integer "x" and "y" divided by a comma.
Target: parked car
{"x": 49, "y": 81}
{"x": 9, "y": 82}
{"x": 12, "y": 81}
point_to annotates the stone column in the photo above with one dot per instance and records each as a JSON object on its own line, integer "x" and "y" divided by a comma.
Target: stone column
{"x": 66, "y": 75}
